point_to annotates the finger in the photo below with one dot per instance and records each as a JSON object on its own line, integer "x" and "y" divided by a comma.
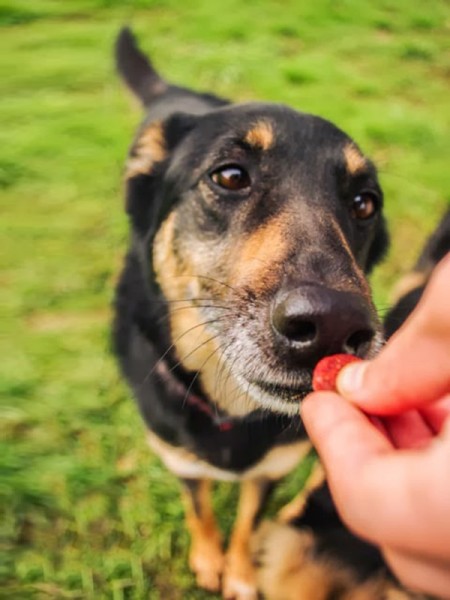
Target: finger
{"x": 413, "y": 368}
{"x": 391, "y": 497}
{"x": 330, "y": 421}
{"x": 420, "y": 574}
{"x": 378, "y": 423}
{"x": 436, "y": 414}
{"x": 408, "y": 430}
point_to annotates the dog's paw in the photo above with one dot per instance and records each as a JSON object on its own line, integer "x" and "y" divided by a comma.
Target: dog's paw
{"x": 277, "y": 553}
{"x": 239, "y": 582}
{"x": 207, "y": 561}
{"x": 287, "y": 568}
{"x": 235, "y": 588}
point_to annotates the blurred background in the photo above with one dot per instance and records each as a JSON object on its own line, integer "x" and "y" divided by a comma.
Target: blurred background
{"x": 87, "y": 512}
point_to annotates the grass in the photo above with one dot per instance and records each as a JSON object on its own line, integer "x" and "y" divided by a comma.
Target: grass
{"x": 87, "y": 511}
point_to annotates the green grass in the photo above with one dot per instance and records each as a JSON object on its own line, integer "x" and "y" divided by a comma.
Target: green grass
{"x": 87, "y": 511}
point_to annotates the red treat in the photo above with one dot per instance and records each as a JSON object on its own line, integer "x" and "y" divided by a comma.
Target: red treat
{"x": 327, "y": 370}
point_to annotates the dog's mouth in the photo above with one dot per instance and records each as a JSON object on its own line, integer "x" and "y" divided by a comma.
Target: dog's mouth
{"x": 275, "y": 375}
{"x": 281, "y": 387}
{"x": 289, "y": 393}
{"x": 278, "y": 395}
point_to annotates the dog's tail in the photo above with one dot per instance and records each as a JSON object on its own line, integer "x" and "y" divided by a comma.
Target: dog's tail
{"x": 136, "y": 69}
{"x": 410, "y": 288}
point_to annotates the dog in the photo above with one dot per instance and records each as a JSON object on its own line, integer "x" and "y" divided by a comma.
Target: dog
{"x": 253, "y": 229}
{"x": 315, "y": 543}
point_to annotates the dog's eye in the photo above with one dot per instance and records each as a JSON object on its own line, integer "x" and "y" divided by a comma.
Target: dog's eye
{"x": 364, "y": 206}
{"x": 231, "y": 178}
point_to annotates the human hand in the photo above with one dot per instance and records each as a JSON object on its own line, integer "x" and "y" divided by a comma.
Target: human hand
{"x": 412, "y": 371}
{"x": 391, "y": 481}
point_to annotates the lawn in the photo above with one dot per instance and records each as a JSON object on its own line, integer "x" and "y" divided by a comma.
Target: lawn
{"x": 87, "y": 511}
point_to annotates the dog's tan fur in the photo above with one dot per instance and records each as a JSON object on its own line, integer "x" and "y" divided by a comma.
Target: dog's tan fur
{"x": 276, "y": 464}
{"x": 206, "y": 558}
{"x": 259, "y": 256}
{"x": 261, "y": 135}
{"x": 354, "y": 160}
{"x": 149, "y": 149}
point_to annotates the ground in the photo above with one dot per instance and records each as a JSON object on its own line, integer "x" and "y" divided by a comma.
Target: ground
{"x": 87, "y": 511}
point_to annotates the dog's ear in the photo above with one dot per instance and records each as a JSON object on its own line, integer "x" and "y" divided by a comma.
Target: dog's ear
{"x": 379, "y": 246}
{"x": 136, "y": 69}
{"x": 148, "y": 191}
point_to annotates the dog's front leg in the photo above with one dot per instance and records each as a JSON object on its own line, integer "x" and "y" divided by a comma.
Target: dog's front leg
{"x": 295, "y": 507}
{"x": 206, "y": 558}
{"x": 239, "y": 577}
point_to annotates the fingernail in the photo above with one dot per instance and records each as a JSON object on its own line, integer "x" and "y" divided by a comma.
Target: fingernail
{"x": 350, "y": 380}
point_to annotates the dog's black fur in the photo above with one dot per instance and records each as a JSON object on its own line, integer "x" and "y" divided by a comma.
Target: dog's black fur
{"x": 334, "y": 541}
{"x": 268, "y": 263}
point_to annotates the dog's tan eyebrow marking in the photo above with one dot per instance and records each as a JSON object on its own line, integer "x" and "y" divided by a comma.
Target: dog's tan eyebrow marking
{"x": 365, "y": 288}
{"x": 149, "y": 149}
{"x": 258, "y": 258}
{"x": 261, "y": 135}
{"x": 354, "y": 160}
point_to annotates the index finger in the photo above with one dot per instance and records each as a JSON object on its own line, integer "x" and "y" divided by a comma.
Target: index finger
{"x": 380, "y": 492}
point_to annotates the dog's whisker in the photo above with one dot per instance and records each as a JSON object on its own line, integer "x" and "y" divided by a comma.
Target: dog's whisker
{"x": 401, "y": 178}
{"x": 173, "y": 345}
{"x": 245, "y": 394}
{"x": 238, "y": 391}
{"x": 228, "y": 286}
{"x": 175, "y": 301}
{"x": 180, "y": 308}
{"x": 235, "y": 291}
{"x": 384, "y": 308}
{"x": 232, "y": 399}
{"x": 229, "y": 373}
{"x": 194, "y": 350}
{"x": 192, "y": 306}
{"x": 220, "y": 368}
{"x": 397, "y": 320}
{"x": 194, "y": 379}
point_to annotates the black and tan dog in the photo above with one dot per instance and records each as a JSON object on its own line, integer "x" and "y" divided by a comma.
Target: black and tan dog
{"x": 253, "y": 228}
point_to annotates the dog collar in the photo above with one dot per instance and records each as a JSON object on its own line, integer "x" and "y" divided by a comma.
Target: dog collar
{"x": 195, "y": 402}
{"x": 223, "y": 423}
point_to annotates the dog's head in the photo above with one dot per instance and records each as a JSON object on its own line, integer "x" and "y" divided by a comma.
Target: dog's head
{"x": 259, "y": 225}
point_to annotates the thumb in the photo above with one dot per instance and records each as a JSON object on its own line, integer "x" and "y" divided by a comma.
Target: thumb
{"x": 413, "y": 369}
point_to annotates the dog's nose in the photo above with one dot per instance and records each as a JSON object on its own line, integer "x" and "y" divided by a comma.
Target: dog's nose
{"x": 315, "y": 321}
